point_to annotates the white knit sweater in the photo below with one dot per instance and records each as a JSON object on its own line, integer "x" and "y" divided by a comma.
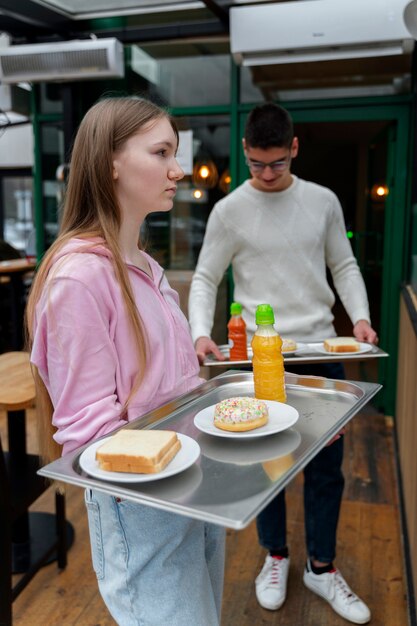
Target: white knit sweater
{"x": 279, "y": 244}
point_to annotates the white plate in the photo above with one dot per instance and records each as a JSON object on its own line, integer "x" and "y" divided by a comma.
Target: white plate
{"x": 224, "y": 349}
{"x": 300, "y": 348}
{"x": 187, "y": 455}
{"x": 364, "y": 347}
{"x": 281, "y": 416}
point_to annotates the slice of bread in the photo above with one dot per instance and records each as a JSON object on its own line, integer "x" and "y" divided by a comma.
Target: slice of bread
{"x": 341, "y": 344}
{"x": 138, "y": 451}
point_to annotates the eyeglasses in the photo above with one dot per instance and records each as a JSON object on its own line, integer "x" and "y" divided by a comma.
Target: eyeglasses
{"x": 275, "y": 166}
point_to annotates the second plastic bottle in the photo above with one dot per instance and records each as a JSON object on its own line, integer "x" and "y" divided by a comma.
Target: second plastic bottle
{"x": 237, "y": 334}
{"x": 268, "y": 362}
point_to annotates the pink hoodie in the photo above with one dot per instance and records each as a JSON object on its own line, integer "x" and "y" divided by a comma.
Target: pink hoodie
{"x": 84, "y": 348}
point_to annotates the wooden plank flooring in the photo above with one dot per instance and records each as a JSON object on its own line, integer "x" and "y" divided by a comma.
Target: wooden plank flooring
{"x": 369, "y": 551}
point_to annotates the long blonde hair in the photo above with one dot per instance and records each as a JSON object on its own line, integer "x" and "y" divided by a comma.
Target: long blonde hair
{"x": 91, "y": 210}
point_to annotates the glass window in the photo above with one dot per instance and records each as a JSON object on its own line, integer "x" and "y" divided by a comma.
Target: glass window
{"x": 249, "y": 92}
{"x": 52, "y": 138}
{"x": 17, "y": 202}
{"x": 183, "y": 74}
{"x": 50, "y": 98}
{"x": 175, "y": 238}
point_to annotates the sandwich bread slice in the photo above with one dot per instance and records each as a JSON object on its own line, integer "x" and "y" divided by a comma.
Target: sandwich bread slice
{"x": 341, "y": 344}
{"x": 138, "y": 451}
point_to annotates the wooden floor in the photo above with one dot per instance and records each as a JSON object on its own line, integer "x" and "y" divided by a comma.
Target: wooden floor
{"x": 369, "y": 551}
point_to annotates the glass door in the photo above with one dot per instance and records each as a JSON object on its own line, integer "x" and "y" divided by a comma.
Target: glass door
{"x": 16, "y": 208}
{"x": 343, "y": 145}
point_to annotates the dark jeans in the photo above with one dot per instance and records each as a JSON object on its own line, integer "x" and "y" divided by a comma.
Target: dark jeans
{"x": 323, "y": 488}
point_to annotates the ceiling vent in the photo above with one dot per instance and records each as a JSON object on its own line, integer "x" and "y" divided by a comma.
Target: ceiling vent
{"x": 64, "y": 61}
{"x": 318, "y": 30}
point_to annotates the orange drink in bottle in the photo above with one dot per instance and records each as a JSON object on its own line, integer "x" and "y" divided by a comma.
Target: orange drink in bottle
{"x": 268, "y": 362}
{"x": 238, "y": 342}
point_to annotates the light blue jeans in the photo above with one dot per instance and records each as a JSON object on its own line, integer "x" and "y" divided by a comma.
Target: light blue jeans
{"x": 155, "y": 568}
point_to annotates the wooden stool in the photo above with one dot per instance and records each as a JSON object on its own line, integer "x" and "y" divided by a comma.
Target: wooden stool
{"x": 28, "y": 540}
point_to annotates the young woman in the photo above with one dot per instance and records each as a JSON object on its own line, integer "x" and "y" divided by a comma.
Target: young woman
{"x": 109, "y": 343}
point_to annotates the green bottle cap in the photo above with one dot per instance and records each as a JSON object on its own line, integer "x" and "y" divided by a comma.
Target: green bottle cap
{"x": 235, "y": 308}
{"x": 264, "y": 314}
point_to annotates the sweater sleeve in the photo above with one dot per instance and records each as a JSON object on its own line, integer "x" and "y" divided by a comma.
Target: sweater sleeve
{"x": 77, "y": 361}
{"x": 344, "y": 268}
{"x": 215, "y": 257}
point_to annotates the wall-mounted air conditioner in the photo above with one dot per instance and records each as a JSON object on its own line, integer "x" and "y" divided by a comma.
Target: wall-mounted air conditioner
{"x": 318, "y": 30}
{"x": 63, "y": 61}
{"x": 410, "y": 18}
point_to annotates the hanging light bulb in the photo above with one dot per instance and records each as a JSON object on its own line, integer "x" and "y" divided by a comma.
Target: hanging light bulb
{"x": 205, "y": 174}
{"x": 225, "y": 181}
{"x": 379, "y": 192}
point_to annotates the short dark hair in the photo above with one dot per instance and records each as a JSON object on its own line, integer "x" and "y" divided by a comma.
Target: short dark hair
{"x": 269, "y": 126}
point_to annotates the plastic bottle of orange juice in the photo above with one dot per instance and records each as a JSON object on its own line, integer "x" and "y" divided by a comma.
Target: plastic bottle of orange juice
{"x": 238, "y": 342}
{"x": 268, "y": 362}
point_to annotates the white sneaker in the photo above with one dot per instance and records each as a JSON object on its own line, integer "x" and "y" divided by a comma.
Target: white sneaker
{"x": 271, "y": 584}
{"x": 332, "y": 587}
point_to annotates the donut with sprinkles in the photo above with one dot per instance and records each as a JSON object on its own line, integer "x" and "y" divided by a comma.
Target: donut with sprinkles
{"x": 240, "y": 414}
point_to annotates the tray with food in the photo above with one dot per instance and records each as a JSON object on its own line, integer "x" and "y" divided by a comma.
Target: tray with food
{"x": 335, "y": 348}
{"x": 171, "y": 460}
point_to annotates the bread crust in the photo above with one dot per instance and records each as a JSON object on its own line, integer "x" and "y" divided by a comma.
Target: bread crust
{"x": 129, "y": 464}
{"x": 341, "y": 344}
{"x": 136, "y": 451}
{"x": 242, "y": 426}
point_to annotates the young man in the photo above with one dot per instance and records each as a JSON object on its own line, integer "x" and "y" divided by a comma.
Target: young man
{"x": 280, "y": 233}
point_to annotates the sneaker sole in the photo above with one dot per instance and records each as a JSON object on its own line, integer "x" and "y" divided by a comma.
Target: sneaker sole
{"x": 271, "y": 607}
{"x": 349, "y": 619}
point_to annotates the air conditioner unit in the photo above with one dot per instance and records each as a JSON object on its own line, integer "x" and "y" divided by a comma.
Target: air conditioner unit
{"x": 410, "y": 18}
{"x": 63, "y": 61}
{"x": 318, "y": 30}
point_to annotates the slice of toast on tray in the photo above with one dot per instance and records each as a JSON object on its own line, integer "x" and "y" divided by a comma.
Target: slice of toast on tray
{"x": 341, "y": 344}
{"x": 138, "y": 451}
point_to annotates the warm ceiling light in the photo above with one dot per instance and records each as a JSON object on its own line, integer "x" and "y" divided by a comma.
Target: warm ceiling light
{"x": 205, "y": 174}
{"x": 197, "y": 193}
{"x": 225, "y": 181}
{"x": 379, "y": 192}
{"x": 204, "y": 171}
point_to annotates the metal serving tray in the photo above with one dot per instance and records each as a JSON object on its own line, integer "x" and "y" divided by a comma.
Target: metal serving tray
{"x": 307, "y": 354}
{"x": 233, "y": 480}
